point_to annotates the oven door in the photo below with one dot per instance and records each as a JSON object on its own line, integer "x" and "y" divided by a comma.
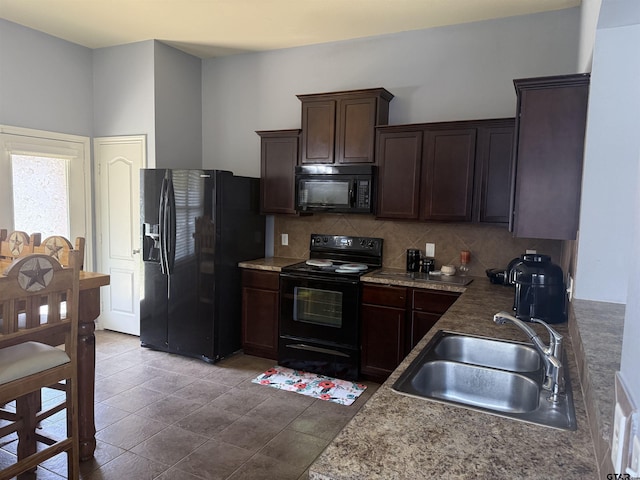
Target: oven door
{"x": 323, "y": 310}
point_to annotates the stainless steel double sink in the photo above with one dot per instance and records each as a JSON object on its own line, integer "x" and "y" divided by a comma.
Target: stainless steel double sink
{"x": 489, "y": 375}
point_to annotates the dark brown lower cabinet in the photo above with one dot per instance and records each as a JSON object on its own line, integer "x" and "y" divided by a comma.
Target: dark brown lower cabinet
{"x": 394, "y": 319}
{"x": 427, "y": 306}
{"x": 260, "y": 313}
{"x": 383, "y": 338}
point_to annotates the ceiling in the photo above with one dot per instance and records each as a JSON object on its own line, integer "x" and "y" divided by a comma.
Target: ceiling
{"x": 211, "y": 28}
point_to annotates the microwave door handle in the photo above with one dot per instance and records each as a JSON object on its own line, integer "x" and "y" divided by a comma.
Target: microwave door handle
{"x": 352, "y": 193}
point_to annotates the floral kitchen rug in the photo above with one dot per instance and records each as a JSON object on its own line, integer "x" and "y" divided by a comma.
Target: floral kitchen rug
{"x": 311, "y": 384}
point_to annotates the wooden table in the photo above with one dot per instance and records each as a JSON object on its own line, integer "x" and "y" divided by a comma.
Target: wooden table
{"x": 88, "y": 311}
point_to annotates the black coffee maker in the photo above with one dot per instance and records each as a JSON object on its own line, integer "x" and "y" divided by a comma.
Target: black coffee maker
{"x": 539, "y": 289}
{"x": 413, "y": 260}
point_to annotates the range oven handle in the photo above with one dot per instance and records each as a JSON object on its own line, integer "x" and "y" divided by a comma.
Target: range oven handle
{"x": 329, "y": 280}
{"x": 309, "y": 348}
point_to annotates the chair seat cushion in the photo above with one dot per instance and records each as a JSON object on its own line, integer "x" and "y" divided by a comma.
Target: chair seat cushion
{"x": 28, "y": 358}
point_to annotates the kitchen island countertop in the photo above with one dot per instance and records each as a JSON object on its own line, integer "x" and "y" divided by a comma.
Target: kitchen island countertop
{"x": 400, "y": 437}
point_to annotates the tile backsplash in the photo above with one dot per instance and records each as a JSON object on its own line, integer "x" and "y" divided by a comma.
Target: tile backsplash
{"x": 490, "y": 246}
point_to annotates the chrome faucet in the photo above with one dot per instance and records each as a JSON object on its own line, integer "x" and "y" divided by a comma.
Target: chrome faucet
{"x": 551, "y": 354}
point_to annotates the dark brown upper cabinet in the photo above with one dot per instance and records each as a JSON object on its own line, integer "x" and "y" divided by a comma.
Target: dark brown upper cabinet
{"x": 278, "y": 158}
{"x": 492, "y": 191}
{"x": 338, "y": 127}
{"x": 399, "y": 172}
{"x": 447, "y": 174}
{"x": 548, "y": 159}
{"x": 430, "y": 171}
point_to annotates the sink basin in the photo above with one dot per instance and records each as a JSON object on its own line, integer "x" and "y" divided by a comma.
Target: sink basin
{"x": 514, "y": 357}
{"x": 477, "y": 386}
{"x": 489, "y": 375}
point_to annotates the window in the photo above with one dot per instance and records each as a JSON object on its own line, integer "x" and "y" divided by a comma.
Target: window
{"x": 40, "y": 195}
{"x": 45, "y": 184}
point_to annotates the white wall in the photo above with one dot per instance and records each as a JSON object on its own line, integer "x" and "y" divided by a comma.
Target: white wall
{"x": 608, "y": 266}
{"x": 612, "y": 150}
{"x": 124, "y": 100}
{"x": 178, "y": 108}
{"x": 589, "y": 12}
{"x": 448, "y": 73}
{"x": 630, "y": 352}
{"x": 45, "y": 82}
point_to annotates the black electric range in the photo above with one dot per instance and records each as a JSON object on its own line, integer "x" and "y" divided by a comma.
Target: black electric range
{"x": 320, "y": 305}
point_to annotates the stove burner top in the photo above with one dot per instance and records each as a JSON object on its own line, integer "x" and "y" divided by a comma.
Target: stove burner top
{"x": 319, "y": 263}
{"x": 334, "y": 268}
{"x": 340, "y": 255}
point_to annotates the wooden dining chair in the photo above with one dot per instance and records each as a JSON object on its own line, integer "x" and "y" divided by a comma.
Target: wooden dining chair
{"x": 30, "y": 361}
{"x": 59, "y": 248}
{"x": 17, "y": 244}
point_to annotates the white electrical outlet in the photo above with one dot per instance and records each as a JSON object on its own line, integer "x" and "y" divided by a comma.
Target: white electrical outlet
{"x": 430, "y": 250}
{"x": 530, "y": 252}
{"x": 570, "y": 287}
{"x": 284, "y": 239}
{"x": 618, "y": 439}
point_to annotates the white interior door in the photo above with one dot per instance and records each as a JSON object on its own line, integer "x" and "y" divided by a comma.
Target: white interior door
{"x": 119, "y": 160}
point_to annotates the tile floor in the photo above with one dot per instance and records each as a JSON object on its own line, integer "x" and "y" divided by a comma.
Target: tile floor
{"x": 166, "y": 417}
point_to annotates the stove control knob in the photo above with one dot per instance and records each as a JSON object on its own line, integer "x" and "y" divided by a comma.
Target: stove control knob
{"x": 325, "y": 239}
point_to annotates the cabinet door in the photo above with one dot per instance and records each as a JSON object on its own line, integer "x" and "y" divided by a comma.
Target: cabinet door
{"x": 260, "y": 322}
{"x": 278, "y": 158}
{"x": 427, "y": 306}
{"x": 260, "y": 313}
{"x": 549, "y": 156}
{"x": 432, "y": 301}
{"x": 447, "y": 175}
{"x": 386, "y": 296}
{"x": 421, "y": 323}
{"x": 355, "y": 132}
{"x": 399, "y": 166}
{"x": 383, "y": 333}
{"x": 493, "y": 173}
{"x": 318, "y": 131}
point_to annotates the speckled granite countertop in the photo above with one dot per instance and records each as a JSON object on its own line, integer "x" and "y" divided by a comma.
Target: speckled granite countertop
{"x": 273, "y": 264}
{"x": 400, "y": 437}
{"x": 597, "y": 329}
{"x": 396, "y": 276}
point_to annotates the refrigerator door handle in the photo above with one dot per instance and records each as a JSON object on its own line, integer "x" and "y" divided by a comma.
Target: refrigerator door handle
{"x": 163, "y": 226}
{"x": 171, "y": 227}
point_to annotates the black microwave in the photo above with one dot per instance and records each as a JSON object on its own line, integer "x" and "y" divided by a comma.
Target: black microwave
{"x": 334, "y": 188}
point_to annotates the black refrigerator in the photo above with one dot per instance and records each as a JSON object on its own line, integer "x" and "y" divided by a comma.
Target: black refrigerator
{"x": 196, "y": 226}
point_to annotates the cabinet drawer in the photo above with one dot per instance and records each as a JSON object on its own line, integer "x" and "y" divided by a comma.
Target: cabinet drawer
{"x": 260, "y": 279}
{"x": 386, "y": 296}
{"x": 433, "y": 302}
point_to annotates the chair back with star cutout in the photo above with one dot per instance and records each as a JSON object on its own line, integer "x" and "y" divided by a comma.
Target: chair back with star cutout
{"x": 38, "y": 348}
{"x": 59, "y": 248}
{"x": 39, "y": 295}
{"x": 17, "y": 244}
